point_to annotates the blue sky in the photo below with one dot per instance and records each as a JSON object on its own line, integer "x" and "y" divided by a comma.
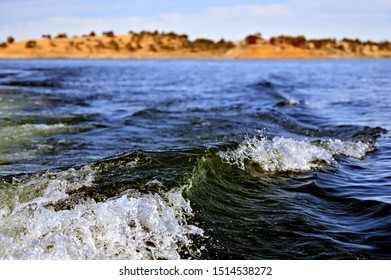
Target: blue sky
{"x": 215, "y": 19}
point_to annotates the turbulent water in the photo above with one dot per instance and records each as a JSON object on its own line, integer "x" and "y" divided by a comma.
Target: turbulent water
{"x": 195, "y": 159}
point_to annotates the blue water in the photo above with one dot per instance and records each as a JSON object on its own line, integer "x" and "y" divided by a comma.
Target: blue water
{"x": 204, "y": 159}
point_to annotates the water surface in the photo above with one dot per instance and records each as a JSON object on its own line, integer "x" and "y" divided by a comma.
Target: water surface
{"x": 199, "y": 159}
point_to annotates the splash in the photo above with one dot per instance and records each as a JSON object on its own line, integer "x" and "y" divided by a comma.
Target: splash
{"x": 40, "y": 219}
{"x": 286, "y": 154}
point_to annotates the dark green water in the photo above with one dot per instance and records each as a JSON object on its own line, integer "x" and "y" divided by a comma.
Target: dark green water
{"x": 166, "y": 159}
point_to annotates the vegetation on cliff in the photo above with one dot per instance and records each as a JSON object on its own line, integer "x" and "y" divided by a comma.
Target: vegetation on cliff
{"x": 161, "y": 44}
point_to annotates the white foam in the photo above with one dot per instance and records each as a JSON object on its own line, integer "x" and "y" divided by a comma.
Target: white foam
{"x": 286, "y": 154}
{"x": 133, "y": 225}
{"x": 44, "y": 188}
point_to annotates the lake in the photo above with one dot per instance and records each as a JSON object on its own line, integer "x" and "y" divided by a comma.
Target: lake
{"x": 195, "y": 159}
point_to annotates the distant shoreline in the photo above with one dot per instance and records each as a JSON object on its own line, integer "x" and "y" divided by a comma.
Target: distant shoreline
{"x": 154, "y": 45}
{"x": 185, "y": 58}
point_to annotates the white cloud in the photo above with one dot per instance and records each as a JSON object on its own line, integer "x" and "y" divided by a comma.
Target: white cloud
{"x": 385, "y": 3}
{"x": 229, "y": 22}
{"x": 314, "y": 19}
{"x": 245, "y": 11}
{"x": 71, "y": 26}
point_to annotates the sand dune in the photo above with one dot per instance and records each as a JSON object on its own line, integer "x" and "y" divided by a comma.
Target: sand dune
{"x": 171, "y": 45}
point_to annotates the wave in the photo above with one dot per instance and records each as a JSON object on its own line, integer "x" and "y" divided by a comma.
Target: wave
{"x": 32, "y": 84}
{"x": 52, "y": 216}
{"x": 285, "y": 154}
{"x": 25, "y": 131}
{"x": 21, "y": 142}
{"x": 288, "y": 102}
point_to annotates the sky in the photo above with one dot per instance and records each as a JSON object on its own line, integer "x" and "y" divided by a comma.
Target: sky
{"x": 213, "y": 19}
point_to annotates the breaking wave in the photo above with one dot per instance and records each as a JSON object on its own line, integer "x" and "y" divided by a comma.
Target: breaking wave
{"x": 47, "y": 216}
{"x": 285, "y": 154}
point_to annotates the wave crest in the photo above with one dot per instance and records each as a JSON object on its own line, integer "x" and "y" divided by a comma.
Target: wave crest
{"x": 286, "y": 154}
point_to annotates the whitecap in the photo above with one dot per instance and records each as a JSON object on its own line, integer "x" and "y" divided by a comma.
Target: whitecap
{"x": 286, "y": 154}
{"x": 132, "y": 225}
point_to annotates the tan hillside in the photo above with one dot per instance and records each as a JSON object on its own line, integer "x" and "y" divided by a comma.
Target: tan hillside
{"x": 171, "y": 45}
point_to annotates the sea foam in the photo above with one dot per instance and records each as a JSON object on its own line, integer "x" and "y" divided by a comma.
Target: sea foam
{"x": 286, "y": 154}
{"x": 132, "y": 225}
